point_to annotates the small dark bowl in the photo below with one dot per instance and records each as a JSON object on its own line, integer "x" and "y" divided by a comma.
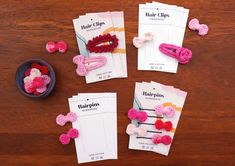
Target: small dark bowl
{"x": 20, "y": 78}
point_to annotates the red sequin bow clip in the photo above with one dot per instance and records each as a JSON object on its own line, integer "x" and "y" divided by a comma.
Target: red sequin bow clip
{"x": 102, "y": 43}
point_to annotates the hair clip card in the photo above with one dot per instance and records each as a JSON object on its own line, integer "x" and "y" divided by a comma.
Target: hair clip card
{"x": 147, "y": 97}
{"x": 96, "y": 119}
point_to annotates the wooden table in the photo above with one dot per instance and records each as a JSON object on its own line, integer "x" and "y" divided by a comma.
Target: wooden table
{"x": 28, "y": 132}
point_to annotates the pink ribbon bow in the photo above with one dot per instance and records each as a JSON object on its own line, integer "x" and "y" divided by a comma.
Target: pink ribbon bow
{"x": 132, "y": 129}
{"x": 139, "y": 115}
{"x": 65, "y": 138}
{"x": 60, "y": 46}
{"x": 183, "y": 55}
{"x": 62, "y": 120}
{"x": 140, "y": 41}
{"x": 165, "y": 139}
{"x": 167, "y": 111}
{"x": 84, "y": 65}
{"x": 201, "y": 28}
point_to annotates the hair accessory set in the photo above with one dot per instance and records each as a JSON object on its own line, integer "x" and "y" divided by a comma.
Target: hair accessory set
{"x": 86, "y": 64}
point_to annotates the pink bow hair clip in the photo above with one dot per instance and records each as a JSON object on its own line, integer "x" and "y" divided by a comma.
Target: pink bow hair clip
{"x": 60, "y": 46}
{"x": 132, "y": 129}
{"x": 139, "y": 115}
{"x": 65, "y": 138}
{"x": 165, "y": 139}
{"x": 140, "y": 41}
{"x": 167, "y": 111}
{"x": 84, "y": 64}
{"x": 62, "y": 120}
{"x": 183, "y": 55}
{"x": 201, "y": 28}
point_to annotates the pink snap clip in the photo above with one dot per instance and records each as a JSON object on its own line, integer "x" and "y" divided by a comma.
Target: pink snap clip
{"x": 60, "y": 46}
{"x": 65, "y": 138}
{"x": 62, "y": 120}
{"x": 201, "y": 28}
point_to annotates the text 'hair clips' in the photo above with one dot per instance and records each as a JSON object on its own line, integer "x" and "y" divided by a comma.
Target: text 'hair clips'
{"x": 140, "y": 41}
{"x": 60, "y": 46}
{"x": 139, "y": 115}
{"x": 65, "y": 138}
{"x": 201, "y": 28}
{"x": 159, "y": 124}
{"x": 183, "y": 55}
{"x": 86, "y": 64}
{"x": 102, "y": 43}
{"x": 63, "y": 119}
{"x": 167, "y": 111}
{"x": 132, "y": 129}
{"x": 165, "y": 139}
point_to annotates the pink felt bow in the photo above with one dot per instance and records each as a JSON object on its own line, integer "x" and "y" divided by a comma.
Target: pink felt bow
{"x": 60, "y": 46}
{"x": 62, "y": 120}
{"x": 201, "y": 28}
{"x": 65, "y": 138}
{"x": 132, "y": 129}
{"x": 84, "y": 65}
{"x": 167, "y": 111}
{"x": 139, "y": 115}
{"x": 183, "y": 55}
{"x": 165, "y": 139}
{"x": 140, "y": 41}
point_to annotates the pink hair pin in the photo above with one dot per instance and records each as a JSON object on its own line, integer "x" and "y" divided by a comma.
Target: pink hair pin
{"x": 60, "y": 46}
{"x": 86, "y": 64}
{"x": 140, "y": 41}
{"x": 165, "y": 139}
{"x": 138, "y": 115}
{"x": 132, "y": 129}
{"x": 63, "y": 119}
{"x": 183, "y": 55}
{"x": 201, "y": 28}
{"x": 65, "y": 138}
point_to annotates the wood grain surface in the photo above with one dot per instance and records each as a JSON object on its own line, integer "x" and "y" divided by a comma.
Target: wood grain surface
{"x": 28, "y": 132}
